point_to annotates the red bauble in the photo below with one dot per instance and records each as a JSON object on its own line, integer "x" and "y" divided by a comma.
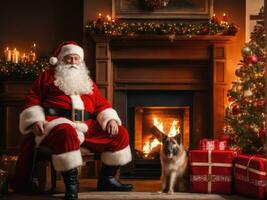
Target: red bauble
{"x": 236, "y": 109}
{"x": 252, "y": 59}
{"x": 260, "y": 103}
{"x": 230, "y": 99}
{"x": 225, "y": 137}
{"x": 262, "y": 133}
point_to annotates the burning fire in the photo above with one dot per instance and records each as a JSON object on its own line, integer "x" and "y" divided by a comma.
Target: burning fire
{"x": 174, "y": 130}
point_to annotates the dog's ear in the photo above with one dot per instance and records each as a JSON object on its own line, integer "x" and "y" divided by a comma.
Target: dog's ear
{"x": 178, "y": 138}
{"x": 163, "y": 137}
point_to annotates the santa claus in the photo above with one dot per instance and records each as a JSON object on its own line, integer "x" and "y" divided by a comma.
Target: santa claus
{"x": 65, "y": 110}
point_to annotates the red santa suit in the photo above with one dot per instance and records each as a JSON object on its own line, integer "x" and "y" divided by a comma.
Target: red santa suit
{"x": 65, "y": 136}
{"x": 90, "y": 133}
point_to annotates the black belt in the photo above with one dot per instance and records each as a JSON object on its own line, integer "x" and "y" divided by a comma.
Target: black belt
{"x": 75, "y": 114}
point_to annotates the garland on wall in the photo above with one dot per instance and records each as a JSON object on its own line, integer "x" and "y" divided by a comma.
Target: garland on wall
{"x": 115, "y": 28}
{"x": 22, "y": 70}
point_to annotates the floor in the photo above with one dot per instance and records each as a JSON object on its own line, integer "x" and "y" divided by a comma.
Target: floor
{"x": 143, "y": 190}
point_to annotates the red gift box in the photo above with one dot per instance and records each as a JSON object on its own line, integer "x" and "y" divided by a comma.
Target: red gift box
{"x": 250, "y": 176}
{"x": 211, "y": 171}
{"x": 208, "y": 144}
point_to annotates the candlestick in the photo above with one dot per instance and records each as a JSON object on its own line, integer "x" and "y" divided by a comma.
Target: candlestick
{"x": 15, "y": 56}
{"x": 24, "y": 58}
{"x": 99, "y": 24}
{"x": 32, "y": 56}
{"x": 214, "y": 19}
{"x": 7, "y": 54}
{"x": 224, "y": 20}
{"x": 108, "y": 18}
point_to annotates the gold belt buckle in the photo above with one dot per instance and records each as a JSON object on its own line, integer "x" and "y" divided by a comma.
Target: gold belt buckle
{"x": 74, "y": 115}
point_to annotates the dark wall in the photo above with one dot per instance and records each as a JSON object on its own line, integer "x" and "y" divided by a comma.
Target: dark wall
{"x": 44, "y": 22}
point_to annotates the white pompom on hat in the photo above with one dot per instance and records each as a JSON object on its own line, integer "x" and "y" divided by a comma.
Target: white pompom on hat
{"x": 66, "y": 48}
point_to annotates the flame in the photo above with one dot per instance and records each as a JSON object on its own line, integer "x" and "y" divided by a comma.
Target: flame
{"x": 158, "y": 124}
{"x": 174, "y": 130}
{"x": 147, "y": 148}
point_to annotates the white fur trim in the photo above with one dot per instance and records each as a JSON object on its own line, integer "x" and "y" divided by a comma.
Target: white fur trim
{"x": 115, "y": 158}
{"x": 29, "y": 116}
{"x": 53, "y": 60}
{"x": 80, "y": 136}
{"x": 70, "y": 49}
{"x": 106, "y": 115}
{"x": 81, "y": 126}
{"x": 77, "y": 102}
{"x": 50, "y": 125}
{"x": 67, "y": 161}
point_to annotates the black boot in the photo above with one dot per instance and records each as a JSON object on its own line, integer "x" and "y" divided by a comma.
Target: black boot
{"x": 71, "y": 184}
{"x": 108, "y": 182}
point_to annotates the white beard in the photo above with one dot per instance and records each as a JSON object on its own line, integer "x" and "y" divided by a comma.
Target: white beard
{"x": 73, "y": 79}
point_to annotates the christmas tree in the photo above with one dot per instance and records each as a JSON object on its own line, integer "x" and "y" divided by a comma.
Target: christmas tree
{"x": 245, "y": 115}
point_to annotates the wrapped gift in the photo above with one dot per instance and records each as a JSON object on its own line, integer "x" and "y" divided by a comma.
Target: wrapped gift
{"x": 250, "y": 176}
{"x": 208, "y": 144}
{"x": 211, "y": 171}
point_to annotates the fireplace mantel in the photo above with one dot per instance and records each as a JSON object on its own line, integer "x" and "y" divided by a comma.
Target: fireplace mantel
{"x": 154, "y": 62}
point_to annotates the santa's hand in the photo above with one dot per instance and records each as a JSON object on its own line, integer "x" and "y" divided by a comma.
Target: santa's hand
{"x": 112, "y": 128}
{"x": 38, "y": 128}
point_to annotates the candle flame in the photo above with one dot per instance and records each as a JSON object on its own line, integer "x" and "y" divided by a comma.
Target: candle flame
{"x": 108, "y": 18}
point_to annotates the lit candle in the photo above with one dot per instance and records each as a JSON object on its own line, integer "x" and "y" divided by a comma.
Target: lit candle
{"x": 24, "y": 57}
{"x": 15, "y": 56}
{"x": 99, "y": 15}
{"x": 7, "y": 54}
{"x": 108, "y": 18}
{"x": 224, "y": 19}
{"x": 214, "y": 19}
{"x": 32, "y": 56}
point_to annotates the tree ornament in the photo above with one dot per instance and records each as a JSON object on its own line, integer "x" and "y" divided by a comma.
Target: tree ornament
{"x": 252, "y": 59}
{"x": 262, "y": 133}
{"x": 248, "y": 93}
{"x": 246, "y": 51}
{"x": 260, "y": 103}
{"x": 236, "y": 109}
{"x": 238, "y": 72}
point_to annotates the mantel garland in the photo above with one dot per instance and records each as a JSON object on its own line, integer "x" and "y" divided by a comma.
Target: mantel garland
{"x": 23, "y": 70}
{"x": 113, "y": 28}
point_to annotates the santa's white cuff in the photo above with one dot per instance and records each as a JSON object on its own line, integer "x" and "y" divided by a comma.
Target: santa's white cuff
{"x": 106, "y": 115}
{"x": 67, "y": 161}
{"x": 29, "y": 116}
{"x": 51, "y": 124}
{"x": 116, "y": 158}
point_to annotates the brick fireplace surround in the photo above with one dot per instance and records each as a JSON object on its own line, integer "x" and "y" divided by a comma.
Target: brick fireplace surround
{"x": 154, "y": 63}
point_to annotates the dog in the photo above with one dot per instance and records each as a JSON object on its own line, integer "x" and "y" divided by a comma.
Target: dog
{"x": 174, "y": 164}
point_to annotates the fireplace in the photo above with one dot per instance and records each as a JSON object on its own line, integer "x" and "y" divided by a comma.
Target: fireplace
{"x": 182, "y": 81}
{"x": 170, "y": 120}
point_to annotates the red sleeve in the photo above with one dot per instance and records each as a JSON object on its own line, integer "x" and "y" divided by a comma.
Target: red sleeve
{"x": 37, "y": 90}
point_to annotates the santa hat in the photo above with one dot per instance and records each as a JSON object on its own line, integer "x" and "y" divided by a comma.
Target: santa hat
{"x": 65, "y": 48}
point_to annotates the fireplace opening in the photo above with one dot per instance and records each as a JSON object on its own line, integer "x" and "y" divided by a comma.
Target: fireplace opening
{"x": 152, "y": 121}
{"x": 167, "y": 111}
